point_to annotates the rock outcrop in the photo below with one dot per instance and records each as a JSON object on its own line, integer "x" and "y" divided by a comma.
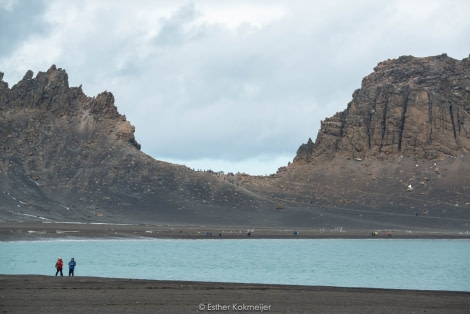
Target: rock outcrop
{"x": 401, "y": 148}
{"x": 415, "y": 107}
{"x": 66, "y": 156}
{"x": 397, "y": 157}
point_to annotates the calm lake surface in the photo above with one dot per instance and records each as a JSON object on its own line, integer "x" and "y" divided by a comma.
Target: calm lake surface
{"x": 377, "y": 263}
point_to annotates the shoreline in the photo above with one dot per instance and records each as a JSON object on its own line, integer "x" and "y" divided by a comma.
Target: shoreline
{"x": 16, "y": 231}
{"x": 49, "y": 294}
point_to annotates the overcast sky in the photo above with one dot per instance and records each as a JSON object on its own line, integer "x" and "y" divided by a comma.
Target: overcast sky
{"x": 234, "y": 86}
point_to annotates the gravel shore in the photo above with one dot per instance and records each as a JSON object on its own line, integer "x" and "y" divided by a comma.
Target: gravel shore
{"x": 12, "y": 231}
{"x": 48, "y": 294}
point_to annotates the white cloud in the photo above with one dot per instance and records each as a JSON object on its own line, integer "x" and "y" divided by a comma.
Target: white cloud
{"x": 235, "y": 14}
{"x": 227, "y": 84}
{"x": 8, "y": 5}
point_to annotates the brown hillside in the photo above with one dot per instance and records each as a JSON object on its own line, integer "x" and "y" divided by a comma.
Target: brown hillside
{"x": 401, "y": 148}
{"x": 68, "y": 157}
{"x": 397, "y": 157}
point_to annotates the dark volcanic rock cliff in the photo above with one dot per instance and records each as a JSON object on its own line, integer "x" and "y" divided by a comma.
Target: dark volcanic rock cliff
{"x": 401, "y": 148}
{"x": 67, "y": 156}
{"x": 415, "y": 107}
{"x": 396, "y": 158}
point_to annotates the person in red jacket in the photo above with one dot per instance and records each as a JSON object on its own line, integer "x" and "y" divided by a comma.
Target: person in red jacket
{"x": 59, "y": 266}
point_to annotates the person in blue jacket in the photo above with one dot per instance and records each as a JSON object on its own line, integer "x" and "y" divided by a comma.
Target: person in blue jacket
{"x": 72, "y": 265}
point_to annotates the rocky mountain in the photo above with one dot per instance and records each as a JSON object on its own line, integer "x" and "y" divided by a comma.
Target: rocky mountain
{"x": 415, "y": 107}
{"x": 69, "y": 157}
{"x": 399, "y": 151}
{"x": 397, "y": 157}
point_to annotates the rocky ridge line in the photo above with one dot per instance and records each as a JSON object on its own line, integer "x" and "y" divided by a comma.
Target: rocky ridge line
{"x": 398, "y": 152}
{"x": 415, "y": 107}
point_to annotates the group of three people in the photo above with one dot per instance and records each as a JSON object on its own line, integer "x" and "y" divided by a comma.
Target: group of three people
{"x": 59, "y": 265}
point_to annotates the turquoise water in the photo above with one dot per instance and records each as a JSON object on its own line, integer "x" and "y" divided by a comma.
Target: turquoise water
{"x": 377, "y": 263}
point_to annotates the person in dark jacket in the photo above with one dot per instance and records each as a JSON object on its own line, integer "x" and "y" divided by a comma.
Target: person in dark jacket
{"x": 72, "y": 265}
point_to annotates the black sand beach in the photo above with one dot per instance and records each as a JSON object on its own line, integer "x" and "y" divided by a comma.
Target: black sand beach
{"x": 48, "y": 294}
